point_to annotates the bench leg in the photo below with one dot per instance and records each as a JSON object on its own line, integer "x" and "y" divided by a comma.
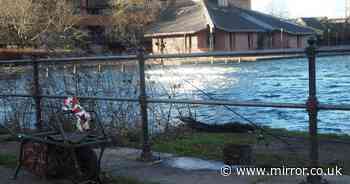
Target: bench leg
{"x": 99, "y": 164}
{"x": 19, "y": 160}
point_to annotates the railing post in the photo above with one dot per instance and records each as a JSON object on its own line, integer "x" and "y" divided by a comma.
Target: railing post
{"x": 146, "y": 148}
{"x": 36, "y": 94}
{"x": 312, "y": 108}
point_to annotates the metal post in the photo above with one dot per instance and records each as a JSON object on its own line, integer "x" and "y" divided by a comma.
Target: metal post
{"x": 211, "y": 39}
{"x": 282, "y": 41}
{"x": 36, "y": 94}
{"x": 312, "y": 108}
{"x": 146, "y": 149}
{"x": 328, "y": 36}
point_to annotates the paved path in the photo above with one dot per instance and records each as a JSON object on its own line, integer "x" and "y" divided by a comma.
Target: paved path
{"x": 123, "y": 162}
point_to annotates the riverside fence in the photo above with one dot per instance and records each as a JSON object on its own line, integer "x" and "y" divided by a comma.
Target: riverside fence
{"x": 312, "y": 105}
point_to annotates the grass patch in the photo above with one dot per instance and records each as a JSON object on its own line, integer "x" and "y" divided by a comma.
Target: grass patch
{"x": 203, "y": 145}
{"x": 8, "y": 160}
{"x": 210, "y": 146}
{"x": 288, "y": 133}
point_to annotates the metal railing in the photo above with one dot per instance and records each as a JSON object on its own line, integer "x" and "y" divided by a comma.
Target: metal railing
{"x": 312, "y": 105}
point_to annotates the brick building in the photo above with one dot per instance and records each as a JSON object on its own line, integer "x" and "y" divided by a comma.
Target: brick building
{"x": 221, "y": 25}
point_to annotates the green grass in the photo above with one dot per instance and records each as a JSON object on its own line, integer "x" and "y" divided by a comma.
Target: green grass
{"x": 330, "y": 136}
{"x": 8, "y": 160}
{"x": 203, "y": 145}
{"x": 210, "y": 146}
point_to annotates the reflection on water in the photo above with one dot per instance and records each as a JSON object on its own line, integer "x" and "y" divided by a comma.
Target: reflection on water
{"x": 270, "y": 81}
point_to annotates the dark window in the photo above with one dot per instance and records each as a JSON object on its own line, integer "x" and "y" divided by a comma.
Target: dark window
{"x": 232, "y": 41}
{"x": 261, "y": 40}
{"x": 250, "y": 45}
{"x": 208, "y": 39}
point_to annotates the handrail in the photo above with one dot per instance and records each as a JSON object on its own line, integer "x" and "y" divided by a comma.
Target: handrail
{"x": 126, "y": 58}
{"x": 242, "y": 103}
{"x": 71, "y": 60}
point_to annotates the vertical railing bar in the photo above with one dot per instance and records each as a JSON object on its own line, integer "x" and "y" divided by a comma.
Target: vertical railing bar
{"x": 146, "y": 148}
{"x": 37, "y": 94}
{"x": 312, "y": 108}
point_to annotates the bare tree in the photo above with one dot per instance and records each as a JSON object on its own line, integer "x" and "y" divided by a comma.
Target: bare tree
{"x": 277, "y": 10}
{"x": 130, "y": 18}
{"x": 37, "y": 23}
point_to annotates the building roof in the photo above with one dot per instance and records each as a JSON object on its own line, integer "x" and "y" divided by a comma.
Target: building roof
{"x": 186, "y": 16}
{"x": 312, "y": 22}
{"x": 232, "y": 19}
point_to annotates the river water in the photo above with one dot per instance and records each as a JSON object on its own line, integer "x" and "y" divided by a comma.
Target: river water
{"x": 269, "y": 81}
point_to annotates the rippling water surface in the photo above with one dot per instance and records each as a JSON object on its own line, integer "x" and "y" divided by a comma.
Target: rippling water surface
{"x": 268, "y": 81}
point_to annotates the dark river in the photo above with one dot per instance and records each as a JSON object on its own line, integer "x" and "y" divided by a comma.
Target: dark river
{"x": 269, "y": 81}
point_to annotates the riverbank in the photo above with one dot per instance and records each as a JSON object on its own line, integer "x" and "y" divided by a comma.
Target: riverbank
{"x": 123, "y": 164}
{"x": 290, "y": 149}
{"x": 279, "y": 147}
{"x": 8, "y": 162}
